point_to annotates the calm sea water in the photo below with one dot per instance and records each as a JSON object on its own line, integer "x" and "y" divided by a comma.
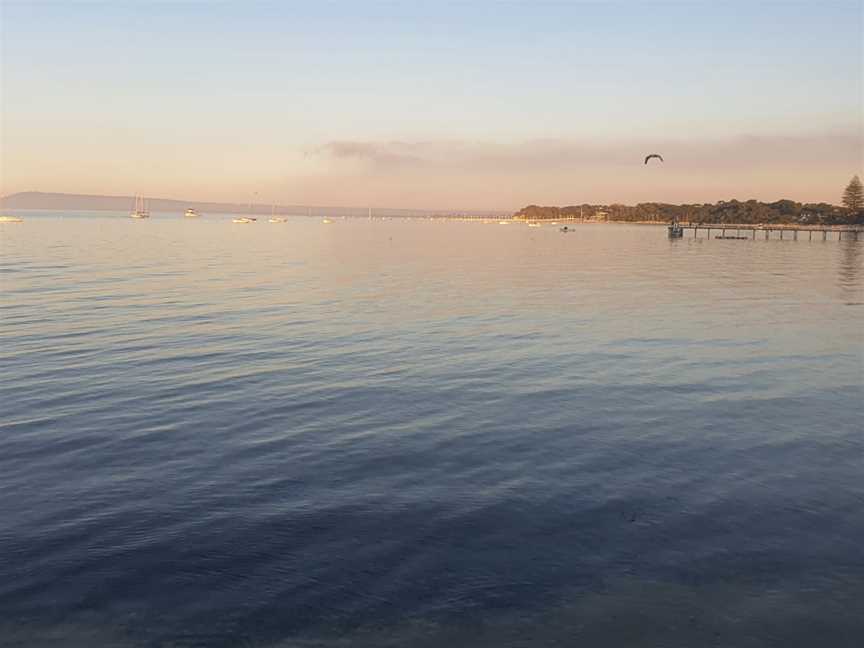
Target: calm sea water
{"x": 398, "y": 433}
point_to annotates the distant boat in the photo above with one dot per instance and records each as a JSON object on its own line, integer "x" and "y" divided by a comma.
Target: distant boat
{"x": 251, "y": 217}
{"x": 326, "y": 220}
{"x": 140, "y": 208}
{"x": 274, "y": 218}
{"x": 503, "y": 222}
{"x": 11, "y": 219}
{"x": 533, "y": 224}
{"x": 191, "y": 213}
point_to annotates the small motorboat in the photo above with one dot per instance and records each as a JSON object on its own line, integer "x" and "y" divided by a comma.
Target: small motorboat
{"x": 326, "y": 220}
{"x": 191, "y": 213}
{"x": 278, "y": 219}
{"x": 243, "y": 219}
{"x": 11, "y": 219}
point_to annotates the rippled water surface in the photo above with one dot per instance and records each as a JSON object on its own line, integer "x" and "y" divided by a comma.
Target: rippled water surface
{"x": 397, "y": 433}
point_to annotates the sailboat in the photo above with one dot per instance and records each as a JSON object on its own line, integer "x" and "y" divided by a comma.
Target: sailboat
{"x": 191, "y": 213}
{"x": 246, "y": 219}
{"x": 140, "y": 208}
{"x": 274, "y": 218}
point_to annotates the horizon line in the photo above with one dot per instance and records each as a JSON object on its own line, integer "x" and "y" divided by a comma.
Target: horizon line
{"x": 241, "y": 204}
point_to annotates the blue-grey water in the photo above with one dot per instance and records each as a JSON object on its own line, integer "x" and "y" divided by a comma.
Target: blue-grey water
{"x": 417, "y": 433}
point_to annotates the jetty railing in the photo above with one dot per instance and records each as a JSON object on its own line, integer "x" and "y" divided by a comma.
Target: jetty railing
{"x": 842, "y": 231}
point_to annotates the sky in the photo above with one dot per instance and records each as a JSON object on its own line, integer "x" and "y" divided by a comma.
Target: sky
{"x": 450, "y": 105}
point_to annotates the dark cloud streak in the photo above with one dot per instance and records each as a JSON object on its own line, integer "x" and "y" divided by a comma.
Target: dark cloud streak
{"x": 545, "y": 155}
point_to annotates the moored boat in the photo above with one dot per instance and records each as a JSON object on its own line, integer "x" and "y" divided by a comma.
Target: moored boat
{"x": 140, "y": 209}
{"x": 274, "y": 218}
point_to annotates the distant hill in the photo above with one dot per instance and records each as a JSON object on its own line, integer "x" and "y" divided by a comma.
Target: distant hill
{"x": 40, "y": 200}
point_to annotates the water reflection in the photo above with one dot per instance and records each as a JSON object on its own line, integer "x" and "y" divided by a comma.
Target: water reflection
{"x": 218, "y": 434}
{"x": 850, "y": 268}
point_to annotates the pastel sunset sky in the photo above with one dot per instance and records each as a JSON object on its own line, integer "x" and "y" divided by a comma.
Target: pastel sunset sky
{"x": 451, "y": 105}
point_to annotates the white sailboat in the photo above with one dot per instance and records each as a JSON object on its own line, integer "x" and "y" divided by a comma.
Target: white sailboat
{"x": 246, "y": 219}
{"x": 274, "y": 218}
{"x": 140, "y": 208}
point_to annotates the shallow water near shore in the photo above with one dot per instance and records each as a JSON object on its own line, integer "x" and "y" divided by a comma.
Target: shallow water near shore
{"x": 398, "y": 432}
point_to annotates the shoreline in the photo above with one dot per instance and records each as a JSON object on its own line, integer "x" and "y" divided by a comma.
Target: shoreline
{"x": 789, "y": 226}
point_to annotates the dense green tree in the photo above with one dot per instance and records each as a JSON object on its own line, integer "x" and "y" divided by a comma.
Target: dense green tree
{"x": 853, "y": 196}
{"x": 724, "y": 211}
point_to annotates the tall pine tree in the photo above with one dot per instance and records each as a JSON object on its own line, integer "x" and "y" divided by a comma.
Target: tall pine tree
{"x": 853, "y": 196}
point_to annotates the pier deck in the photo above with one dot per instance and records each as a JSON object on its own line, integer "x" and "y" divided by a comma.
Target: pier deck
{"x": 790, "y": 231}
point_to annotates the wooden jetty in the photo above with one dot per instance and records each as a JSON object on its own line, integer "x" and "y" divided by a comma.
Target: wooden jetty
{"x": 775, "y": 231}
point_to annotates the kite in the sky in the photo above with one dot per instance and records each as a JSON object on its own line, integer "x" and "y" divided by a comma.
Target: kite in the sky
{"x": 653, "y": 155}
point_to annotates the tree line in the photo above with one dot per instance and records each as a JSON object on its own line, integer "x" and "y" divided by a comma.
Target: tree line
{"x": 731, "y": 211}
